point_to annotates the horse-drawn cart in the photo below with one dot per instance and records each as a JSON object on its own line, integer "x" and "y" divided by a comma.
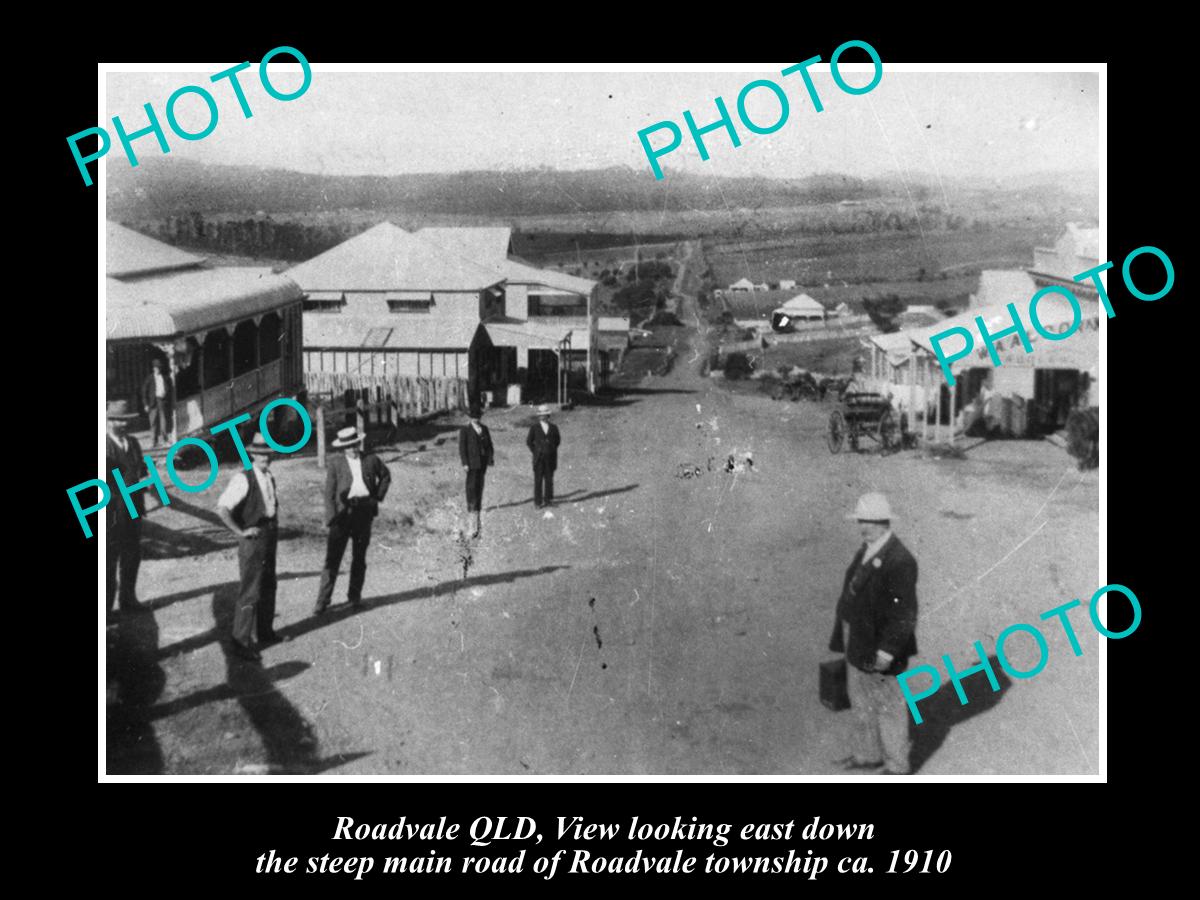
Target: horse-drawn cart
{"x": 864, "y": 414}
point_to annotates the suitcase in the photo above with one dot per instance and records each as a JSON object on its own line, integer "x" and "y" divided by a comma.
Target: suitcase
{"x": 834, "y": 694}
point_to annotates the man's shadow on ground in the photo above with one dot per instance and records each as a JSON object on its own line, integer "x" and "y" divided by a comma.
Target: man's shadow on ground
{"x": 942, "y": 711}
{"x": 569, "y": 497}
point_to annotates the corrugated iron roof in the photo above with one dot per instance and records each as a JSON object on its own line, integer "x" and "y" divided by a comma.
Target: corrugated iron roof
{"x": 534, "y": 335}
{"x": 408, "y": 331}
{"x": 179, "y": 303}
{"x": 128, "y": 253}
{"x": 389, "y": 258}
{"x": 1055, "y": 314}
{"x": 488, "y": 244}
{"x": 803, "y": 303}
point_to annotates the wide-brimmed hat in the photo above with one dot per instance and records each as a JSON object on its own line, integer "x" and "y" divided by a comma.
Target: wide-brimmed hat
{"x": 348, "y": 437}
{"x": 260, "y": 447}
{"x": 475, "y": 411}
{"x": 872, "y": 508}
{"x": 543, "y": 410}
{"x": 120, "y": 409}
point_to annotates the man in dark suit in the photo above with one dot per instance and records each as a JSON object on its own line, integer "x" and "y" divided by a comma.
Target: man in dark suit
{"x": 124, "y": 533}
{"x": 355, "y": 485}
{"x": 476, "y": 453}
{"x": 543, "y": 441}
{"x": 876, "y": 630}
{"x": 156, "y": 398}
{"x": 249, "y": 507}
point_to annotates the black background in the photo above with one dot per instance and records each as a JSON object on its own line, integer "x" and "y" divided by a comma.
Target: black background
{"x": 172, "y": 836}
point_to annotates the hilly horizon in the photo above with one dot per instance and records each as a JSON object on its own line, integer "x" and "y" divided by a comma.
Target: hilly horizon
{"x": 161, "y": 188}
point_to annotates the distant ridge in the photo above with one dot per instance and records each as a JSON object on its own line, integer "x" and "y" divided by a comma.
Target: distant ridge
{"x": 160, "y": 188}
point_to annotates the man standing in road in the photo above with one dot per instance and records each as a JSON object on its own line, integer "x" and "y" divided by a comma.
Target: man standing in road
{"x": 543, "y": 441}
{"x": 476, "y": 453}
{"x": 249, "y": 508}
{"x": 156, "y": 398}
{"x": 124, "y": 533}
{"x": 355, "y": 485}
{"x": 876, "y": 630}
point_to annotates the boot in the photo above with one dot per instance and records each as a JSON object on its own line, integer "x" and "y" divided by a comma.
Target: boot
{"x": 476, "y": 524}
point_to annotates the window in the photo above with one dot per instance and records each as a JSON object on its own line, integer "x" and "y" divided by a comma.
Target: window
{"x": 216, "y": 357}
{"x": 324, "y": 306}
{"x": 409, "y": 306}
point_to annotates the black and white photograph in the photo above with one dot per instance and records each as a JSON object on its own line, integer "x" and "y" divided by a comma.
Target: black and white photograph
{"x": 442, "y": 437}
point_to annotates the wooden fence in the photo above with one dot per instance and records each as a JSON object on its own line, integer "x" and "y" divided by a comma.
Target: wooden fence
{"x": 377, "y": 399}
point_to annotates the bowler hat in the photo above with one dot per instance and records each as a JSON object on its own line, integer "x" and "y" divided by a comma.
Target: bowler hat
{"x": 475, "y": 411}
{"x": 543, "y": 410}
{"x": 120, "y": 409}
{"x": 259, "y": 446}
{"x": 872, "y": 508}
{"x": 348, "y": 437}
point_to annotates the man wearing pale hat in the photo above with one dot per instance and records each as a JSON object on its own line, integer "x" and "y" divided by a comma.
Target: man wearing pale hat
{"x": 355, "y": 485}
{"x": 876, "y": 630}
{"x": 249, "y": 507}
{"x": 124, "y": 533}
{"x": 543, "y": 441}
{"x": 476, "y": 453}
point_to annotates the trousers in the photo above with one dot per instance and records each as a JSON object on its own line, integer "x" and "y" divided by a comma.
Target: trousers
{"x": 475, "y": 489}
{"x": 123, "y": 556}
{"x": 353, "y": 525}
{"x": 255, "y": 610}
{"x": 881, "y": 719}
{"x": 543, "y": 483}
{"x": 160, "y": 421}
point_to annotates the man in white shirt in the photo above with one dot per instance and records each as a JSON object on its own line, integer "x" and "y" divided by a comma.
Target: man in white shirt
{"x": 249, "y": 507}
{"x": 355, "y": 485}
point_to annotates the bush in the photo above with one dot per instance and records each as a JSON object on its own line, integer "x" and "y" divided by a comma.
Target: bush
{"x": 650, "y": 270}
{"x": 663, "y": 317}
{"x": 1083, "y": 436}
{"x": 737, "y": 365}
{"x": 884, "y": 311}
{"x": 633, "y": 296}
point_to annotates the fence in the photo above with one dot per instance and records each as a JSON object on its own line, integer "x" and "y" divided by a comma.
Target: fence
{"x": 378, "y": 399}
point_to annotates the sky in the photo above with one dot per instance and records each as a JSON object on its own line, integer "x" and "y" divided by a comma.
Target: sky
{"x": 951, "y": 124}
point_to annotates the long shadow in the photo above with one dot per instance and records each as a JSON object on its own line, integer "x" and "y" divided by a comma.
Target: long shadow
{"x": 529, "y": 499}
{"x": 131, "y": 661}
{"x": 942, "y": 711}
{"x": 168, "y": 599}
{"x": 160, "y": 542}
{"x": 344, "y": 611}
{"x": 595, "y": 494}
{"x": 288, "y": 738}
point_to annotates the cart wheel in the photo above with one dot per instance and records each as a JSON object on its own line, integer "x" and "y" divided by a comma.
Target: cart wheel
{"x": 837, "y": 431}
{"x": 889, "y": 432}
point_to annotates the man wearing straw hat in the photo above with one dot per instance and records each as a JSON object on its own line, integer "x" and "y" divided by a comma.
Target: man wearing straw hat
{"x": 249, "y": 508}
{"x": 355, "y": 485}
{"x": 476, "y": 453}
{"x": 124, "y": 533}
{"x": 543, "y": 441}
{"x": 876, "y": 630}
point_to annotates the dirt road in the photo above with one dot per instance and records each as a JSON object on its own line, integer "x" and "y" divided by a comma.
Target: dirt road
{"x": 651, "y": 623}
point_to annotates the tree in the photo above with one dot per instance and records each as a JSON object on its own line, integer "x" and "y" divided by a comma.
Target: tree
{"x": 884, "y": 311}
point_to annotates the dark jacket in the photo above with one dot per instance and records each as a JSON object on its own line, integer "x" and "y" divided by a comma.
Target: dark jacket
{"x": 148, "y": 398}
{"x": 339, "y": 479}
{"x": 880, "y": 603}
{"x": 133, "y": 469}
{"x": 544, "y": 445}
{"x": 475, "y": 450}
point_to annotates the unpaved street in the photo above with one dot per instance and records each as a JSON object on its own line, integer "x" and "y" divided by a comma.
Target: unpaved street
{"x": 654, "y": 624}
